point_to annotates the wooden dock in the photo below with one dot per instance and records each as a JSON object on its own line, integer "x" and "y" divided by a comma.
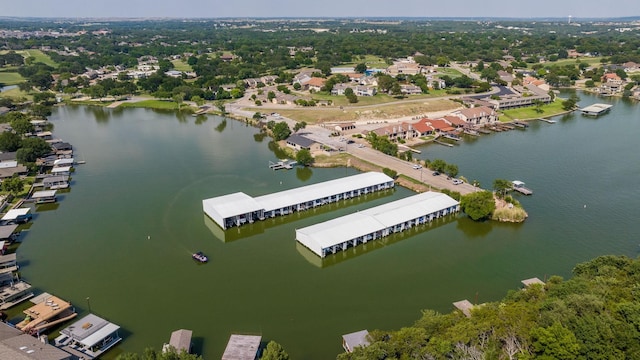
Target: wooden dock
{"x": 443, "y": 143}
{"x": 519, "y": 187}
{"x": 484, "y": 131}
{"x": 547, "y": 120}
{"x": 282, "y": 164}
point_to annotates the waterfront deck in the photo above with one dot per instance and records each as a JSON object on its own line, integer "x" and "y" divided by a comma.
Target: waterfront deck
{"x": 50, "y": 312}
{"x": 596, "y": 109}
{"x": 14, "y": 294}
{"x": 532, "y": 281}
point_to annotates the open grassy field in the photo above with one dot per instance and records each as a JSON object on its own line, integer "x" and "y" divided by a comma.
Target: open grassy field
{"x": 528, "y": 113}
{"x": 180, "y": 65}
{"x": 381, "y": 112}
{"x": 449, "y": 71}
{"x": 10, "y": 78}
{"x": 37, "y": 54}
{"x": 589, "y": 60}
{"x": 372, "y": 62}
{"x": 16, "y": 94}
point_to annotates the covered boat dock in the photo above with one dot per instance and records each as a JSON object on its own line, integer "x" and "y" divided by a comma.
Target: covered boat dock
{"x": 88, "y": 337}
{"x": 596, "y": 109}
{"x": 358, "y": 228}
{"x": 239, "y": 208}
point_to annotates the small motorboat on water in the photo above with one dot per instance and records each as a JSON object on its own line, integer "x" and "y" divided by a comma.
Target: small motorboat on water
{"x": 200, "y": 257}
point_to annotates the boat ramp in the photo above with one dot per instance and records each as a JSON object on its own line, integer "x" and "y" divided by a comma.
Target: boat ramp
{"x": 596, "y": 109}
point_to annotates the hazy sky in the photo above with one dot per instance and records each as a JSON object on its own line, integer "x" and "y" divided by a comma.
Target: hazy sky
{"x": 319, "y": 8}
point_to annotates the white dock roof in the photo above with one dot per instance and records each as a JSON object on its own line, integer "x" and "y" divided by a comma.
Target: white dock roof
{"x": 62, "y": 169}
{"x": 337, "y": 231}
{"x": 14, "y": 213}
{"x": 43, "y": 194}
{"x": 90, "y": 330}
{"x": 61, "y": 162}
{"x": 321, "y": 190}
{"x": 232, "y": 204}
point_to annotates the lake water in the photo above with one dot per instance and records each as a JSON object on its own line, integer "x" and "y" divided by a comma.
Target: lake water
{"x": 120, "y": 241}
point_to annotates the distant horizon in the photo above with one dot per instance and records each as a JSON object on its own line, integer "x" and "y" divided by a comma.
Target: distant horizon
{"x": 287, "y": 9}
{"x": 138, "y": 18}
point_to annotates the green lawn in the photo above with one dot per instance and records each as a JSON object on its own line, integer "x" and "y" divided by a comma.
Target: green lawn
{"x": 152, "y": 104}
{"x": 589, "y": 60}
{"x": 373, "y": 62}
{"x": 528, "y": 113}
{"x": 449, "y": 71}
{"x": 16, "y": 94}
{"x": 37, "y": 54}
{"x": 10, "y": 78}
{"x": 180, "y": 65}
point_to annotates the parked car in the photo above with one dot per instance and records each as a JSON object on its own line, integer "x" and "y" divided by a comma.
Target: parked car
{"x": 417, "y": 166}
{"x": 435, "y": 173}
{"x": 457, "y": 181}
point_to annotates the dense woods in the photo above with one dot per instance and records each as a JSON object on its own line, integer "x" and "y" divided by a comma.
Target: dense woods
{"x": 593, "y": 315}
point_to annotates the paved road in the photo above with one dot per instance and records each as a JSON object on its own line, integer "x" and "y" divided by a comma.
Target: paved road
{"x": 362, "y": 150}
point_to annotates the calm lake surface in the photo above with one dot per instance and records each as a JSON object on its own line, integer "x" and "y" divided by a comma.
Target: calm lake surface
{"x": 120, "y": 241}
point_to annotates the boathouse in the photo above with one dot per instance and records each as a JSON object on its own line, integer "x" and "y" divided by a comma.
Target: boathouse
{"x": 20, "y": 215}
{"x": 56, "y": 182}
{"x": 44, "y": 196}
{"x": 355, "y": 339}
{"x": 242, "y": 347}
{"x": 180, "y": 341}
{"x": 88, "y": 337}
{"x": 361, "y": 227}
{"x": 239, "y": 208}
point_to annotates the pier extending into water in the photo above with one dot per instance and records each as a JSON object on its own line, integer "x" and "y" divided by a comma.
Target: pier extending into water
{"x": 239, "y": 208}
{"x": 519, "y": 187}
{"x": 361, "y": 227}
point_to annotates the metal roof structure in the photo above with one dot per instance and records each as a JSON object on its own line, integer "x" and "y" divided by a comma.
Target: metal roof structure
{"x": 352, "y": 340}
{"x": 43, "y": 194}
{"x": 90, "y": 330}
{"x": 320, "y": 190}
{"x": 181, "y": 340}
{"x": 61, "y": 162}
{"x": 7, "y": 230}
{"x": 15, "y": 213}
{"x": 336, "y": 231}
{"x": 242, "y": 347}
{"x": 222, "y": 207}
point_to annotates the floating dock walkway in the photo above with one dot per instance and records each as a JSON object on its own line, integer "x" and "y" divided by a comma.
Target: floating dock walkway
{"x": 547, "y": 120}
{"x": 519, "y": 187}
{"x": 282, "y": 164}
{"x": 367, "y": 225}
{"x": 596, "y": 109}
{"x": 239, "y": 208}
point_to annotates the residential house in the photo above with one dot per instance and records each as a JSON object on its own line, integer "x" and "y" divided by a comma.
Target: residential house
{"x": 345, "y": 126}
{"x": 521, "y": 97}
{"x": 338, "y": 89}
{"x": 410, "y": 89}
{"x": 365, "y": 90}
{"x": 505, "y": 76}
{"x": 611, "y": 84}
{"x": 174, "y": 73}
{"x": 299, "y": 142}
{"x": 477, "y": 116}
{"x": 355, "y": 77}
{"x": 455, "y": 121}
{"x": 394, "y": 132}
{"x": 16, "y": 345}
{"x": 631, "y": 66}
{"x": 315, "y": 84}
{"x": 404, "y": 68}
{"x": 284, "y": 99}
{"x": 227, "y": 57}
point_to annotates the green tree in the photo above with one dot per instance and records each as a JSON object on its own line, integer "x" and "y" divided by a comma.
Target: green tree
{"x": 501, "y": 186}
{"x": 274, "y": 351}
{"x": 555, "y": 342}
{"x": 361, "y": 68}
{"x": 390, "y": 173}
{"x": 152, "y": 354}
{"x": 299, "y": 126}
{"x": 303, "y": 157}
{"x": 451, "y": 170}
{"x": 32, "y": 148}
{"x": 21, "y": 126}
{"x": 10, "y": 141}
{"x": 13, "y": 185}
{"x": 281, "y": 131}
{"x": 478, "y": 205}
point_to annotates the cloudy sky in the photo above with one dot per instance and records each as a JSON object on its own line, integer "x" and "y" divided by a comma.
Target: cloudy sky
{"x": 325, "y": 8}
